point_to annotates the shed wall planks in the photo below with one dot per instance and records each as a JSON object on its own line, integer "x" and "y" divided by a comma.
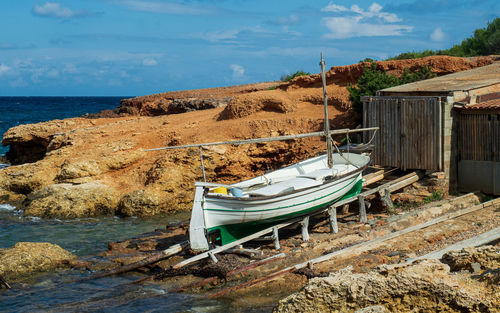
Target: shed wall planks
{"x": 479, "y": 137}
{"x": 410, "y": 131}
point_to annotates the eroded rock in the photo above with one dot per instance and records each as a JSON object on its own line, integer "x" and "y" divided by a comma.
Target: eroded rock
{"x": 72, "y": 201}
{"x": 487, "y": 257}
{"x": 141, "y": 203}
{"x": 25, "y": 258}
{"x": 421, "y": 287}
{"x": 247, "y": 104}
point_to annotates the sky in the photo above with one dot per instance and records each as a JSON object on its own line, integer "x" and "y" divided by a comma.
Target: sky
{"x": 133, "y": 47}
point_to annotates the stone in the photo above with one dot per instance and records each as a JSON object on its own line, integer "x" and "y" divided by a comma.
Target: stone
{"x": 25, "y": 258}
{"x": 26, "y": 178}
{"x": 71, "y": 170}
{"x": 424, "y": 286}
{"x": 488, "y": 257}
{"x": 141, "y": 203}
{"x": 372, "y": 309}
{"x": 72, "y": 201}
{"x": 193, "y": 104}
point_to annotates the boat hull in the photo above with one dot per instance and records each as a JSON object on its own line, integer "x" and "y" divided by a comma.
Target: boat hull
{"x": 236, "y": 224}
{"x": 266, "y": 200}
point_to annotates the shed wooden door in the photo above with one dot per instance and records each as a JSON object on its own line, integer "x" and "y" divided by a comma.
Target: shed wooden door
{"x": 410, "y": 135}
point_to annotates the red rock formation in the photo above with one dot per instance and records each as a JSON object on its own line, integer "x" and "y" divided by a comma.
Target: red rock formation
{"x": 106, "y": 155}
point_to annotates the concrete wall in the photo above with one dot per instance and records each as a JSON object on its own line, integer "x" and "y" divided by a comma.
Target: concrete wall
{"x": 479, "y": 175}
{"x": 449, "y": 144}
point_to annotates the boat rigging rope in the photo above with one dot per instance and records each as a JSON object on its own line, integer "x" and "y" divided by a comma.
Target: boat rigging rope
{"x": 348, "y": 143}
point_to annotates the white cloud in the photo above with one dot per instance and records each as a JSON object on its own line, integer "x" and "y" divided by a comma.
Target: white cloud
{"x": 438, "y": 35}
{"x": 331, "y": 7}
{"x": 4, "y": 69}
{"x": 357, "y": 22}
{"x": 220, "y": 35}
{"x": 346, "y": 27}
{"x": 238, "y": 71}
{"x": 53, "y": 9}
{"x": 165, "y": 7}
{"x": 149, "y": 62}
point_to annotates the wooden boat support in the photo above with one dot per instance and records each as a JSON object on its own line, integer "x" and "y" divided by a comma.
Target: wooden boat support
{"x": 155, "y": 257}
{"x": 304, "y": 220}
{"x": 4, "y": 283}
{"x": 362, "y": 247}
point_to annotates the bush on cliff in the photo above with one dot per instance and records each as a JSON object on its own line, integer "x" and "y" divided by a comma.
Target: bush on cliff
{"x": 485, "y": 41}
{"x": 289, "y": 77}
{"x": 374, "y": 79}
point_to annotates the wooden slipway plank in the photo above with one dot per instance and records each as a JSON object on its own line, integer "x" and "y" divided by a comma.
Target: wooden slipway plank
{"x": 482, "y": 239}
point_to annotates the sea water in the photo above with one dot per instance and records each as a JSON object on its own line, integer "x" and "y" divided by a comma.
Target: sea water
{"x": 27, "y": 110}
{"x": 64, "y": 290}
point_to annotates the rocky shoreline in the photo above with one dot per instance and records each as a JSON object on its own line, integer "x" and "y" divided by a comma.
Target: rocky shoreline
{"x": 97, "y": 165}
{"x": 25, "y": 259}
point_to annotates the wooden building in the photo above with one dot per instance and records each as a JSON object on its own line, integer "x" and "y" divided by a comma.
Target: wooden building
{"x": 449, "y": 123}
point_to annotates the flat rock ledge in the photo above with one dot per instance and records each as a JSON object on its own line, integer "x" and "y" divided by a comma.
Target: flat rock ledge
{"x": 423, "y": 286}
{"x": 25, "y": 258}
{"x": 71, "y": 201}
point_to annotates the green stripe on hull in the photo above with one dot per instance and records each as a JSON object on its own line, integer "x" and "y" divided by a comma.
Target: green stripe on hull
{"x": 233, "y": 232}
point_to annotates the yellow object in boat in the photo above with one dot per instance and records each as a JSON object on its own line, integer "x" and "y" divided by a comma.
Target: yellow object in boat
{"x": 221, "y": 190}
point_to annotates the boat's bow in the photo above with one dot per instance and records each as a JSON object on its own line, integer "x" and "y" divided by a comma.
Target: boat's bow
{"x": 197, "y": 229}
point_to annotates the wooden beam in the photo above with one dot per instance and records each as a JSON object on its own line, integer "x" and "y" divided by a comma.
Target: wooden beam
{"x": 360, "y": 247}
{"x": 148, "y": 260}
{"x": 4, "y": 282}
{"x": 276, "y": 238}
{"x": 386, "y": 200}
{"x": 305, "y": 225}
{"x": 373, "y": 177}
{"x": 332, "y": 212}
{"x": 235, "y": 243}
{"x": 362, "y": 209}
{"x": 401, "y": 182}
{"x": 230, "y": 273}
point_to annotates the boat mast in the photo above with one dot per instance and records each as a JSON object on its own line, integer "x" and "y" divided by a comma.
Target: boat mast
{"x": 327, "y": 121}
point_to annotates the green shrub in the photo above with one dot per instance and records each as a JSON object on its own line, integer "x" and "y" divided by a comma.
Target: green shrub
{"x": 367, "y": 60}
{"x": 289, "y": 77}
{"x": 485, "y": 41}
{"x": 374, "y": 79}
{"x": 435, "y": 196}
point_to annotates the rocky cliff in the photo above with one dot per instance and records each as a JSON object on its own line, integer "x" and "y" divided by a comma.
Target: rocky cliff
{"x": 424, "y": 286}
{"x": 97, "y": 165}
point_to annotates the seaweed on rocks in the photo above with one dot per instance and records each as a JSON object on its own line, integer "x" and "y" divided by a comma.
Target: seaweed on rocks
{"x": 226, "y": 263}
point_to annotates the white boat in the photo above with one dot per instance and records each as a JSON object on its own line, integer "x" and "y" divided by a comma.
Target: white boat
{"x": 231, "y": 212}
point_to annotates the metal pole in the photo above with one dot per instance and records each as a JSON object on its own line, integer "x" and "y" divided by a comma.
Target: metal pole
{"x": 327, "y": 121}
{"x": 202, "y": 165}
{"x": 267, "y": 139}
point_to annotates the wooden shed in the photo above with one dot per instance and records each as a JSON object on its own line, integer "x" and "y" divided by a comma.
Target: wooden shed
{"x": 420, "y": 124}
{"x": 478, "y": 144}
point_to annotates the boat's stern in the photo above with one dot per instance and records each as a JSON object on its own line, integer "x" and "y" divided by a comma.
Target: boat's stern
{"x": 197, "y": 229}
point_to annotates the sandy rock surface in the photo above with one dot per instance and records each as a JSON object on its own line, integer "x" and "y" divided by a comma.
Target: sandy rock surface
{"x": 424, "y": 286}
{"x": 486, "y": 257}
{"x": 26, "y": 258}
